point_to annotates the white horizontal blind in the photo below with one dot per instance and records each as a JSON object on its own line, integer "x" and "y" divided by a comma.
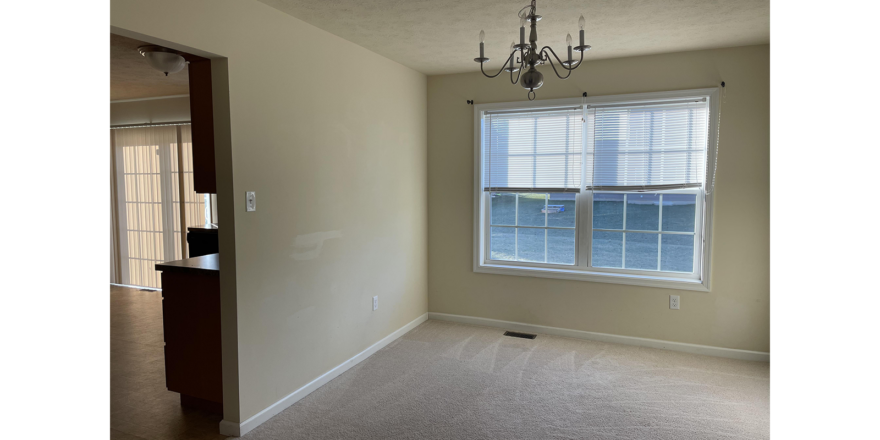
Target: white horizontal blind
{"x": 533, "y": 150}
{"x": 656, "y": 146}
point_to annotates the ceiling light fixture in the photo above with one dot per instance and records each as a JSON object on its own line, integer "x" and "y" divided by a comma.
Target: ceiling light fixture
{"x": 531, "y": 56}
{"x": 163, "y": 59}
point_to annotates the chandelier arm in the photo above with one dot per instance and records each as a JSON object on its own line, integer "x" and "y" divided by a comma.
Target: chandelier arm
{"x": 518, "y": 72}
{"x": 503, "y": 65}
{"x": 557, "y": 72}
{"x": 560, "y": 61}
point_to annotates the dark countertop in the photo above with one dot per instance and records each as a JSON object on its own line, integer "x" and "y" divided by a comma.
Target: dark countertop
{"x": 203, "y": 229}
{"x": 206, "y": 264}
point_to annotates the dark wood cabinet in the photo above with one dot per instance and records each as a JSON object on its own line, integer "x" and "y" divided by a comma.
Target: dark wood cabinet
{"x": 191, "y": 320}
{"x": 201, "y": 107}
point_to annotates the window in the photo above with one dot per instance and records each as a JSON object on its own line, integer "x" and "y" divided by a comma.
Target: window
{"x": 611, "y": 189}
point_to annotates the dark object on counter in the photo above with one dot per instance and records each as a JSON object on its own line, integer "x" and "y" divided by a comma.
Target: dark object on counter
{"x": 202, "y": 240}
{"x": 191, "y": 320}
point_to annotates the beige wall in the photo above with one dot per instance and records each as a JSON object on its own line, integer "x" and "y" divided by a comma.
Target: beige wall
{"x": 361, "y": 164}
{"x": 335, "y": 152}
{"x": 735, "y": 314}
{"x": 152, "y": 111}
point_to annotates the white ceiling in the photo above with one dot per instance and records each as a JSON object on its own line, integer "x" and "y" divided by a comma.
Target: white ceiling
{"x": 132, "y": 77}
{"x": 441, "y": 36}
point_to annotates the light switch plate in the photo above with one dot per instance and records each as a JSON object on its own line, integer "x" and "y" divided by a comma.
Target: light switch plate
{"x": 251, "y": 201}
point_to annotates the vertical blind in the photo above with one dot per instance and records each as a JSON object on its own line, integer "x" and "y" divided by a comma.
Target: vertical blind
{"x": 154, "y": 200}
{"x": 190, "y": 209}
{"x": 532, "y": 150}
{"x": 144, "y": 218}
{"x": 654, "y": 146}
{"x": 115, "y": 276}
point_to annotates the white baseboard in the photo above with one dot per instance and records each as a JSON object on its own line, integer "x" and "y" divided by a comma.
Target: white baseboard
{"x": 239, "y": 429}
{"x": 230, "y": 428}
{"x": 604, "y": 337}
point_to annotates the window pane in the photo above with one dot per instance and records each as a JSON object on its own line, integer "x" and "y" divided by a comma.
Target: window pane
{"x": 677, "y": 254}
{"x": 561, "y": 210}
{"x": 502, "y": 244}
{"x": 607, "y": 249}
{"x": 530, "y": 207}
{"x": 530, "y": 244}
{"x": 679, "y": 212}
{"x": 608, "y": 211}
{"x": 503, "y": 208}
{"x": 642, "y": 213}
{"x": 641, "y": 250}
{"x": 560, "y": 246}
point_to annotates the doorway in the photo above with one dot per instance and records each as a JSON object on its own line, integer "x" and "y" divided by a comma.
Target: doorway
{"x": 154, "y": 204}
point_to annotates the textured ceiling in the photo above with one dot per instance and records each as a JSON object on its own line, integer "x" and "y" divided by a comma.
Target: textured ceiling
{"x": 441, "y": 36}
{"x": 132, "y": 77}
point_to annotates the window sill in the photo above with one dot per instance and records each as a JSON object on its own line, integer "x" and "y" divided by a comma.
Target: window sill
{"x": 599, "y": 277}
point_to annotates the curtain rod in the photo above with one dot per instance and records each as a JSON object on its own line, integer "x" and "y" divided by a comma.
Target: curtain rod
{"x": 643, "y": 104}
{"x": 533, "y": 110}
{"x": 161, "y": 124}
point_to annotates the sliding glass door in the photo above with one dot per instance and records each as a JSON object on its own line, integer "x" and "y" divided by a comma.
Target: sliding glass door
{"x": 154, "y": 200}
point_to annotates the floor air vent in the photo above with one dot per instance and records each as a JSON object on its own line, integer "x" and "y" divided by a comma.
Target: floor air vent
{"x": 520, "y": 335}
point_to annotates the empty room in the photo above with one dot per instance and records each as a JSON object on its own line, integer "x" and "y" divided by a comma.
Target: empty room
{"x": 444, "y": 219}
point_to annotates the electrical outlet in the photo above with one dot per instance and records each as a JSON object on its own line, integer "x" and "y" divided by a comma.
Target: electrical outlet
{"x": 674, "y": 302}
{"x": 375, "y": 302}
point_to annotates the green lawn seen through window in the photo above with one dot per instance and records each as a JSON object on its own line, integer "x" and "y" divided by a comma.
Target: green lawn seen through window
{"x": 643, "y": 231}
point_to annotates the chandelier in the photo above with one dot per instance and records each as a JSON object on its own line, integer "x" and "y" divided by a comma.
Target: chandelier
{"x": 531, "y": 56}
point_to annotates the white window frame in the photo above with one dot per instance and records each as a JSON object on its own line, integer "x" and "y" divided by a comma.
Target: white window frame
{"x": 581, "y": 270}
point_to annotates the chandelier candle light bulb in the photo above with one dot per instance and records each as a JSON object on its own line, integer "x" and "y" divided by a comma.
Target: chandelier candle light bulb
{"x": 530, "y": 55}
{"x": 511, "y": 67}
{"x": 511, "y": 58}
{"x": 582, "y": 47}
{"x": 568, "y": 43}
{"x": 482, "y": 59}
{"x": 581, "y": 24}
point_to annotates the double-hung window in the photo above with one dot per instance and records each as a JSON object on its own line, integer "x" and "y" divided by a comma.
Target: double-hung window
{"x": 614, "y": 189}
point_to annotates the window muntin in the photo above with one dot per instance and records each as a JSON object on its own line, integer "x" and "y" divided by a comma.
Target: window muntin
{"x": 533, "y": 227}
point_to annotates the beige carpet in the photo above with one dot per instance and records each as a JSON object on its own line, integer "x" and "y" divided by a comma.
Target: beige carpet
{"x": 453, "y": 381}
